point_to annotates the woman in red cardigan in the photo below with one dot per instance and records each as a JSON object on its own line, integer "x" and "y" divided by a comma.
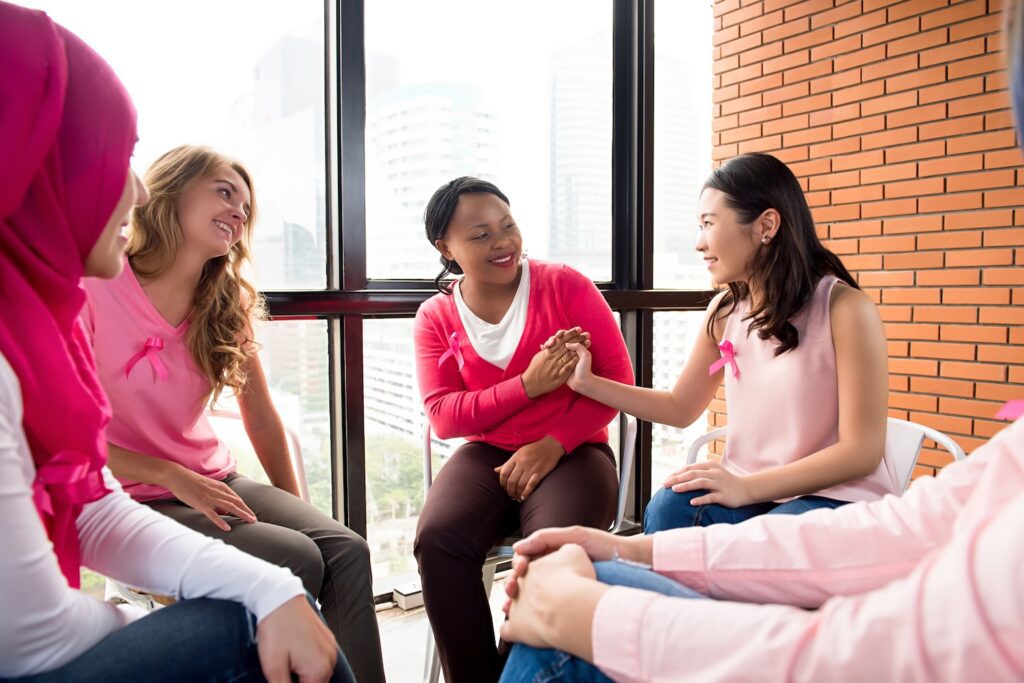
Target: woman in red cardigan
{"x": 537, "y": 454}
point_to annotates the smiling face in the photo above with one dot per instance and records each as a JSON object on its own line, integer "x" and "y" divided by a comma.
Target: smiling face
{"x": 728, "y": 246}
{"x": 484, "y": 239}
{"x": 213, "y": 211}
{"x": 106, "y": 258}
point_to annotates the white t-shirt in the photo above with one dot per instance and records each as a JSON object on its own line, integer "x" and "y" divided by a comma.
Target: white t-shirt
{"x": 496, "y": 343}
{"x": 44, "y": 623}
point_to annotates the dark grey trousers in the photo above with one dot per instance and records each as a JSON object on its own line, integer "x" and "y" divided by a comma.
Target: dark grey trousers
{"x": 332, "y": 561}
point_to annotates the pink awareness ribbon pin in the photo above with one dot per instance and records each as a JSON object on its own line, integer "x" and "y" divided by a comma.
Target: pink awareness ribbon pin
{"x": 152, "y": 347}
{"x": 453, "y": 350}
{"x": 1011, "y": 410}
{"x": 728, "y": 357}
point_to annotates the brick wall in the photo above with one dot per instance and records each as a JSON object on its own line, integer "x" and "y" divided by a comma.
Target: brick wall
{"x": 895, "y": 116}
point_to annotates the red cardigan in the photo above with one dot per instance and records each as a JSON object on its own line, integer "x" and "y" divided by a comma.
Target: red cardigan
{"x": 482, "y": 402}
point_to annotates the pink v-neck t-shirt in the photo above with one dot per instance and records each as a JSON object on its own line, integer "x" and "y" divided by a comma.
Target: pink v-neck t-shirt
{"x": 157, "y": 392}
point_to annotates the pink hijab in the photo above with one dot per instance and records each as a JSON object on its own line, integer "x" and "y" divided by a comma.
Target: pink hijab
{"x": 67, "y": 130}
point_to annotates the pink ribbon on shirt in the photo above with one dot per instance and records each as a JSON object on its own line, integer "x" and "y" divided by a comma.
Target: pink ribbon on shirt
{"x": 1011, "y": 410}
{"x": 728, "y": 357}
{"x": 453, "y": 350}
{"x": 152, "y": 347}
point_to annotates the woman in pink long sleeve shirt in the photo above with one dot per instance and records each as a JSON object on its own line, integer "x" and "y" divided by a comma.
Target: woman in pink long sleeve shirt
{"x": 925, "y": 586}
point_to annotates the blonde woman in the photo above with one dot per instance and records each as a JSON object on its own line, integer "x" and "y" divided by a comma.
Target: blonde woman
{"x": 170, "y": 334}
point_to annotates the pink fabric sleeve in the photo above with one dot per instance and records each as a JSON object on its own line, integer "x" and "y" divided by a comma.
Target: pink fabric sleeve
{"x": 804, "y": 559}
{"x": 451, "y": 408}
{"x": 958, "y": 616}
{"x": 585, "y": 307}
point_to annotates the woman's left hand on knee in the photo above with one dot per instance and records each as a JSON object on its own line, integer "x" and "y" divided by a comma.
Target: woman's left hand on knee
{"x": 526, "y": 469}
{"x": 724, "y": 487}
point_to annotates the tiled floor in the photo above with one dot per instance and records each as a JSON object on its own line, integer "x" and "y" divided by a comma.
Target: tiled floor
{"x": 404, "y": 638}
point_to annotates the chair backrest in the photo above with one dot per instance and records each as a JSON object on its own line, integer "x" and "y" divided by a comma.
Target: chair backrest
{"x": 294, "y": 449}
{"x": 902, "y": 446}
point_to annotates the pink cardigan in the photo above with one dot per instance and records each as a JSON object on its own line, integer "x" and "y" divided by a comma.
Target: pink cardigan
{"x": 922, "y": 587}
{"x": 466, "y": 396}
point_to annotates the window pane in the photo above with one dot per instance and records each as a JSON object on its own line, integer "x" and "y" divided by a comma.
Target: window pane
{"x": 682, "y": 144}
{"x": 525, "y": 103}
{"x": 674, "y": 335}
{"x": 395, "y": 427}
{"x": 248, "y": 80}
{"x": 295, "y": 361}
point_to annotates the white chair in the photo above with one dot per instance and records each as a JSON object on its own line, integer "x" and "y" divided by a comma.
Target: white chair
{"x": 115, "y": 591}
{"x": 902, "y": 446}
{"x": 503, "y": 551}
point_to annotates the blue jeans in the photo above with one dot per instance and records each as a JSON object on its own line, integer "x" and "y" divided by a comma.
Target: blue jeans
{"x": 671, "y": 510}
{"x": 193, "y": 640}
{"x": 532, "y": 665}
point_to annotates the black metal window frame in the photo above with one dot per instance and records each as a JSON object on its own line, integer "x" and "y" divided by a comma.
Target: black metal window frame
{"x": 351, "y": 297}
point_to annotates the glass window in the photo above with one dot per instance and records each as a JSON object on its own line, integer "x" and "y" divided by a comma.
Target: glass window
{"x": 523, "y": 101}
{"x": 682, "y": 145}
{"x": 675, "y": 333}
{"x": 295, "y": 360}
{"x": 246, "y": 79}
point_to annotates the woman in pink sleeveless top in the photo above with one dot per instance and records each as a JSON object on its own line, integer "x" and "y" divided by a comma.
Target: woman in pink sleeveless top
{"x": 803, "y": 355}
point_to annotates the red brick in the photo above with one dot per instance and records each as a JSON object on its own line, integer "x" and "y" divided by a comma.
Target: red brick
{"x": 723, "y": 6}
{"x": 980, "y": 257}
{"x": 1001, "y": 315}
{"x": 787, "y": 30}
{"x": 807, "y": 136}
{"x": 998, "y": 120}
{"x": 950, "y": 53}
{"x": 961, "y": 406}
{"x": 954, "y": 15}
{"x": 837, "y": 47}
{"x": 807, "y": 104}
{"x": 973, "y": 371}
{"x": 785, "y": 125}
{"x": 844, "y": 11}
{"x": 759, "y": 54}
{"x": 922, "y": 150}
{"x": 874, "y": 157}
{"x": 889, "y": 138}
{"x": 809, "y": 39}
{"x": 917, "y": 42}
{"x": 949, "y": 91}
{"x": 863, "y": 91}
{"x": 976, "y": 295}
{"x": 950, "y": 240}
{"x": 913, "y": 402}
{"x": 865, "y": 55}
{"x": 860, "y": 126}
{"x": 980, "y": 181}
{"x": 1010, "y": 237}
{"x": 888, "y": 278}
{"x": 835, "y": 114}
{"x": 864, "y": 22}
{"x": 884, "y": 174}
{"x": 891, "y": 31}
{"x": 806, "y": 8}
{"x": 889, "y": 67}
{"x": 911, "y": 295}
{"x": 979, "y": 219}
{"x": 741, "y": 74}
{"x": 724, "y": 35}
{"x": 837, "y": 81}
{"x": 998, "y": 392}
{"x": 741, "y": 104}
{"x": 913, "y": 366}
{"x": 945, "y": 314}
{"x": 949, "y": 276}
{"x": 809, "y": 168}
{"x": 788, "y": 92}
{"x": 916, "y": 79}
{"x": 827, "y": 214}
{"x": 803, "y": 73}
{"x": 856, "y": 229}
{"x": 836, "y": 147}
{"x": 1002, "y": 353}
{"x": 1004, "y": 158}
{"x": 895, "y": 313}
{"x": 973, "y": 333}
{"x": 951, "y": 127}
{"x": 860, "y": 194}
{"x": 765, "y": 144}
{"x": 978, "y": 65}
{"x": 945, "y": 424}
{"x": 976, "y": 27}
{"x": 945, "y": 387}
{"x": 741, "y": 133}
{"x": 878, "y": 105}
{"x": 740, "y": 45}
{"x": 1000, "y": 198}
{"x": 790, "y": 61}
{"x": 958, "y": 164}
{"x": 893, "y": 207}
{"x": 760, "y": 23}
{"x": 915, "y": 260}
{"x": 742, "y": 15}
{"x": 760, "y": 115}
{"x": 911, "y": 224}
{"x": 915, "y": 188}
{"x": 912, "y": 7}
{"x": 979, "y": 103}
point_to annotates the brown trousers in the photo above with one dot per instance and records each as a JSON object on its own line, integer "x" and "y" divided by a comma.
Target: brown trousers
{"x": 466, "y": 513}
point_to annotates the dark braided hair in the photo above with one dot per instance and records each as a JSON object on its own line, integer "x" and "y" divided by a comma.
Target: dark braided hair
{"x": 438, "y": 215}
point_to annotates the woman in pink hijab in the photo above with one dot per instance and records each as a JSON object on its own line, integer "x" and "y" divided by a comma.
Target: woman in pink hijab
{"x": 67, "y": 130}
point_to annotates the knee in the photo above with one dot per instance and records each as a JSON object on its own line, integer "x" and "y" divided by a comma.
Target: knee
{"x": 669, "y": 510}
{"x": 306, "y": 562}
{"x": 437, "y": 542}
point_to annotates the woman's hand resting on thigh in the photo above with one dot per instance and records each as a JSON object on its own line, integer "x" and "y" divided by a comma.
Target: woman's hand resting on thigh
{"x": 724, "y": 487}
{"x": 528, "y": 466}
{"x": 294, "y": 640}
{"x": 211, "y": 497}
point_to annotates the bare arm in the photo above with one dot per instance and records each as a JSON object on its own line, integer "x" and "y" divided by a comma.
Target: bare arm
{"x": 265, "y": 430}
{"x": 679, "y": 407}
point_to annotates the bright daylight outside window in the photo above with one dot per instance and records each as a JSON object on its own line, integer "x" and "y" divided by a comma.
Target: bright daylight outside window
{"x": 517, "y": 93}
{"x": 254, "y": 91}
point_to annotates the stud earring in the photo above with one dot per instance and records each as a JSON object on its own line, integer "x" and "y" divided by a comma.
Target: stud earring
{"x": 765, "y": 239}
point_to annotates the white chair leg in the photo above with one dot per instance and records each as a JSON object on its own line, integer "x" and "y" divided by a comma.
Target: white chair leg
{"x": 432, "y": 662}
{"x": 489, "y": 570}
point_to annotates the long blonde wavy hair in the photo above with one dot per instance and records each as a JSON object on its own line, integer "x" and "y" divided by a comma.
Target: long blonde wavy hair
{"x": 219, "y": 336}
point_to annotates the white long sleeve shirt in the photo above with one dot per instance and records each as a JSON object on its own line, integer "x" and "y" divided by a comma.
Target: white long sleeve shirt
{"x": 44, "y": 623}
